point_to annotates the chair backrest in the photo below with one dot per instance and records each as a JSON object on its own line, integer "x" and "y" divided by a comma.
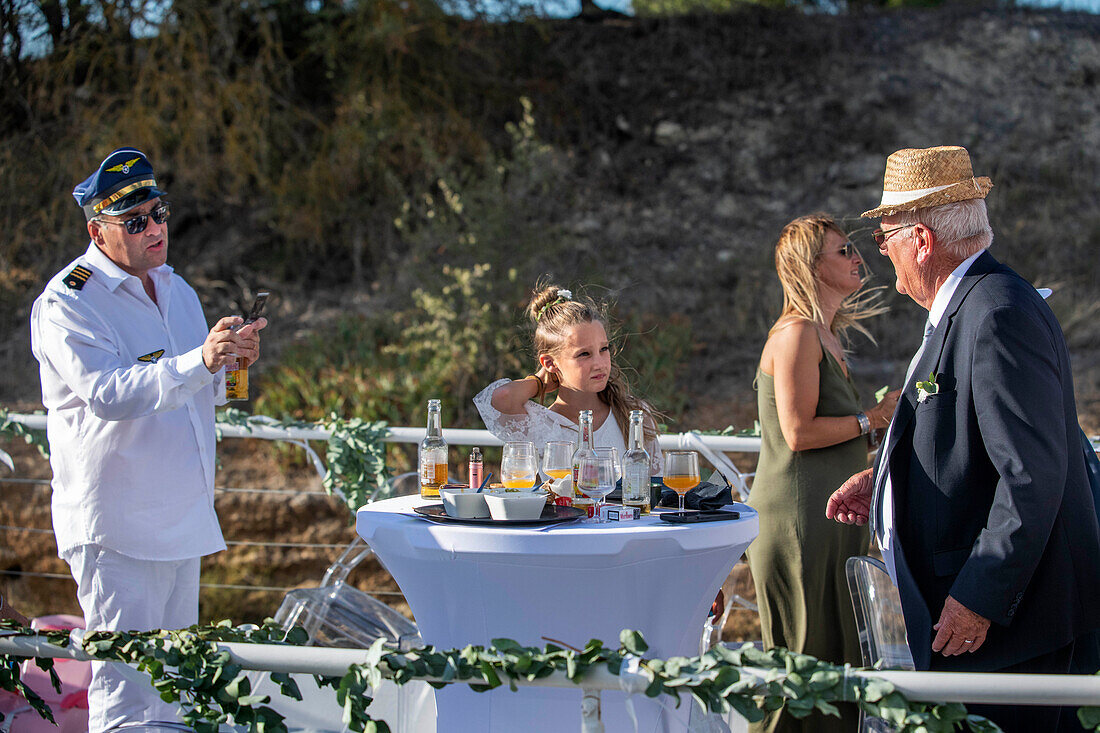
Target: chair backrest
{"x": 877, "y": 608}
{"x": 344, "y": 616}
{"x": 404, "y": 484}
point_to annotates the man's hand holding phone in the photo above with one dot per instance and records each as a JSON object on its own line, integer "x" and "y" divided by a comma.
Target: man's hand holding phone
{"x": 234, "y": 337}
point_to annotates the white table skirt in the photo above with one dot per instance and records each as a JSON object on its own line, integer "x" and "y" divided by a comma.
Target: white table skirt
{"x": 573, "y": 582}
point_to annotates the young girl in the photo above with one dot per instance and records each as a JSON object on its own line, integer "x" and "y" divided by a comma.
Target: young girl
{"x": 575, "y": 366}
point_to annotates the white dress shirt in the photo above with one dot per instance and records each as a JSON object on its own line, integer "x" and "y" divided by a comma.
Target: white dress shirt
{"x": 130, "y": 412}
{"x": 935, "y": 314}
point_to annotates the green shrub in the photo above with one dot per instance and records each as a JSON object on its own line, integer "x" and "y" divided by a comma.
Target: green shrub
{"x": 386, "y": 367}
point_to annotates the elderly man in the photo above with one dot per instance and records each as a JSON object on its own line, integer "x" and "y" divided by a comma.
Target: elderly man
{"x": 979, "y": 498}
{"x": 130, "y": 376}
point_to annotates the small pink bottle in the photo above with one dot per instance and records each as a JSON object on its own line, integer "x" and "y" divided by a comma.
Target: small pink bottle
{"x": 476, "y": 469}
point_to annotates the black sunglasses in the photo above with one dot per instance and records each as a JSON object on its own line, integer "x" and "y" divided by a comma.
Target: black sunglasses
{"x": 846, "y": 250}
{"x": 137, "y": 224}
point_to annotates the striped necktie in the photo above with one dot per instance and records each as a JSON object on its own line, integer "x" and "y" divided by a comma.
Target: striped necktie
{"x": 881, "y": 459}
{"x": 928, "y": 329}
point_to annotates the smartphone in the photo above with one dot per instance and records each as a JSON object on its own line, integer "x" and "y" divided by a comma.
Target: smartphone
{"x": 257, "y": 309}
{"x": 710, "y": 515}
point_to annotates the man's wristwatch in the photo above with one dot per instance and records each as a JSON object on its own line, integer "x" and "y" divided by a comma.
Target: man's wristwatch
{"x": 864, "y": 423}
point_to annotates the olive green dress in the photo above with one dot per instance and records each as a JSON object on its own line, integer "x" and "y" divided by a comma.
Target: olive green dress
{"x": 797, "y": 562}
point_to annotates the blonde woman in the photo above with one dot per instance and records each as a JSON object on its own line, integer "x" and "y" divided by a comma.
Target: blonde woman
{"x": 574, "y": 365}
{"x": 814, "y": 436}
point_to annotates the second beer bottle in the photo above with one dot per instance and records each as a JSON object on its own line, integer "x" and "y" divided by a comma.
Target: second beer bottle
{"x": 584, "y": 450}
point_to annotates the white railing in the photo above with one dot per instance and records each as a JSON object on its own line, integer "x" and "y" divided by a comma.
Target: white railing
{"x": 931, "y": 687}
{"x": 454, "y": 436}
{"x": 713, "y": 447}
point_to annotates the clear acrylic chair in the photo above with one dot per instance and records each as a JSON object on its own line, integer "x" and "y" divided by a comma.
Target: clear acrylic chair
{"x": 877, "y": 608}
{"x": 336, "y": 614}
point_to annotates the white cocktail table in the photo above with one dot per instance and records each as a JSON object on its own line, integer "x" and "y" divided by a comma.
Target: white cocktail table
{"x": 572, "y": 582}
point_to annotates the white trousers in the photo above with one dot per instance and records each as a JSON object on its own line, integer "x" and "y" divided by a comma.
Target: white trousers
{"x": 120, "y": 593}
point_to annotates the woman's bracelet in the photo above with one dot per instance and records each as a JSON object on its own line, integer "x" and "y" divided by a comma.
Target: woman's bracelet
{"x": 538, "y": 385}
{"x": 864, "y": 423}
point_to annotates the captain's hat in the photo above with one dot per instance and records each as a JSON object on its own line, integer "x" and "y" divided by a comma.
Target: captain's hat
{"x": 123, "y": 180}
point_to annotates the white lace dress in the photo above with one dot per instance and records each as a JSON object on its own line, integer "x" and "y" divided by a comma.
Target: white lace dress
{"x": 540, "y": 425}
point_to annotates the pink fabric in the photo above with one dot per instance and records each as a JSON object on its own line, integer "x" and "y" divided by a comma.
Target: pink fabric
{"x": 70, "y": 706}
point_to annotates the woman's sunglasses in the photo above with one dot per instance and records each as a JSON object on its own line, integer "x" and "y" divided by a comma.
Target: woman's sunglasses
{"x": 846, "y": 250}
{"x": 137, "y": 224}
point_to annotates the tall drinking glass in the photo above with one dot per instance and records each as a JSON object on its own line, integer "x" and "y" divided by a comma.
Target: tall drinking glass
{"x": 681, "y": 472}
{"x": 597, "y": 478}
{"x": 519, "y": 465}
{"x": 557, "y": 459}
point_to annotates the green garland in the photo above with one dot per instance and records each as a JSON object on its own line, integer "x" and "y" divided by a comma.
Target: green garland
{"x": 10, "y": 430}
{"x": 188, "y": 667}
{"x": 356, "y": 460}
{"x": 10, "y": 670}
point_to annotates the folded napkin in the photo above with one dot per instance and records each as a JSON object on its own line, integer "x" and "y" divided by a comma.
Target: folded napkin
{"x": 704, "y": 496}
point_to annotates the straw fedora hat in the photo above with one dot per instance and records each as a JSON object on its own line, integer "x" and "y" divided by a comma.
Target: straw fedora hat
{"x": 919, "y": 177}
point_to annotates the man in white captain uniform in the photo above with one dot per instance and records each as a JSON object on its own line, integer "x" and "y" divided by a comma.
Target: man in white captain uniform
{"x": 130, "y": 377}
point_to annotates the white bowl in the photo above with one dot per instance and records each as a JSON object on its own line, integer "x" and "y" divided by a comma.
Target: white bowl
{"x": 463, "y": 502}
{"x": 516, "y": 504}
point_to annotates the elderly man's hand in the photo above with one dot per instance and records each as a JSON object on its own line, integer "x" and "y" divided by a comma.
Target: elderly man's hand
{"x": 223, "y": 345}
{"x": 959, "y": 630}
{"x": 851, "y": 503}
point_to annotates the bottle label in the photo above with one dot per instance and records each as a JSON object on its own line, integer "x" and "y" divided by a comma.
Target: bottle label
{"x": 636, "y": 481}
{"x": 427, "y": 469}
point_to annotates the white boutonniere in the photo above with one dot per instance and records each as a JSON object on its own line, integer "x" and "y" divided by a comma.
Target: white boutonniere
{"x": 927, "y": 388}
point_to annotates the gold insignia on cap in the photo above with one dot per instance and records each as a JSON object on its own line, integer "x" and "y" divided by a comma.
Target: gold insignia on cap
{"x": 77, "y": 277}
{"x": 123, "y": 167}
{"x": 151, "y": 357}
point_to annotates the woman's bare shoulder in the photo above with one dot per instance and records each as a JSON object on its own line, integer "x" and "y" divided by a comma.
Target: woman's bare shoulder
{"x": 791, "y": 338}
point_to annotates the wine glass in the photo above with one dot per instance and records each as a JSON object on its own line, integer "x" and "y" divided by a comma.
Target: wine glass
{"x": 681, "y": 472}
{"x": 613, "y": 454}
{"x": 597, "y": 478}
{"x": 518, "y": 465}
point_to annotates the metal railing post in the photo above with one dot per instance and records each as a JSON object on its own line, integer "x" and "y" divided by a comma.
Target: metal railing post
{"x": 590, "y": 711}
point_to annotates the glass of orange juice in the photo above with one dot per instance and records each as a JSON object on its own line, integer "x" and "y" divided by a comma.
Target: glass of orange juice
{"x": 519, "y": 465}
{"x": 557, "y": 459}
{"x": 681, "y": 472}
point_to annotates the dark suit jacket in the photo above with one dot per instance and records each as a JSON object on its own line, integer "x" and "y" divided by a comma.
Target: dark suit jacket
{"x": 992, "y": 501}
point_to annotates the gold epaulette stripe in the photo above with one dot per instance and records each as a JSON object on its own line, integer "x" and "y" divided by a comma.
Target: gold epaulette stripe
{"x": 147, "y": 183}
{"x": 77, "y": 277}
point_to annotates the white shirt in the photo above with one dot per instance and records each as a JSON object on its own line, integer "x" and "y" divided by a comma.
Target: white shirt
{"x": 131, "y": 427}
{"x": 540, "y": 425}
{"x": 935, "y": 314}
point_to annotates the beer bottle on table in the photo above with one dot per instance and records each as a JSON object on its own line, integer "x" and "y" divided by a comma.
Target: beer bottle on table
{"x": 636, "y": 467}
{"x": 433, "y": 455}
{"x": 584, "y": 450}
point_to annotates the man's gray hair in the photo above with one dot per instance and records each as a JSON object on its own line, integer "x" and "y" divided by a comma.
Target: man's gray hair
{"x": 962, "y": 228}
